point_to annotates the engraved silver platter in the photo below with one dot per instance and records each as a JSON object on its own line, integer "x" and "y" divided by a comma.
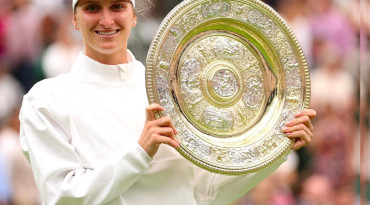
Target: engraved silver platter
{"x": 230, "y": 74}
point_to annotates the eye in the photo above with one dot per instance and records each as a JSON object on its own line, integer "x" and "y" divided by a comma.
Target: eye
{"x": 92, "y": 8}
{"x": 117, "y": 7}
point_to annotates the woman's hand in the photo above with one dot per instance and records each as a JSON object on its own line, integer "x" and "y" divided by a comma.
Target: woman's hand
{"x": 157, "y": 131}
{"x": 300, "y": 129}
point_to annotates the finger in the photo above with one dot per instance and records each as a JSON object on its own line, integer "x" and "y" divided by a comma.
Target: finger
{"x": 165, "y": 122}
{"x": 300, "y": 135}
{"x": 301, "y": 120}
{"x": 298, "y": 128}
{"x": 165, "y": 131}
{"x": 298, "y": 144}
{"x": 166, "y": 140}
{"x": 309, "y": 112}
{"x": 149, "y": 110}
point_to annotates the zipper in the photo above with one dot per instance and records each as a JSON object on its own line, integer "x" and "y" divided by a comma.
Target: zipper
{"x": 122, "y": 75}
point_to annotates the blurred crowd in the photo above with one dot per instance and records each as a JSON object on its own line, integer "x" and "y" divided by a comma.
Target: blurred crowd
{"x": 37, "y": 41}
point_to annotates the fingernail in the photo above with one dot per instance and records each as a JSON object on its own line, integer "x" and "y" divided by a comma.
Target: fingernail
{"x": 285, "y": 129}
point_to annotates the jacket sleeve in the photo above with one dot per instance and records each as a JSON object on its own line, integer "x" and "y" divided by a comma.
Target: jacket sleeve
{"x": 58, "y": 171}
{"x": 216, "y": 189}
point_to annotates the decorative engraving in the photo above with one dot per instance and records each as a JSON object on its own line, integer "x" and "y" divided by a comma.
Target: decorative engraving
{"x": 228, "y": 48}
{"x": 212, "y": 74}
{"x": 240, "y": 11}
{"x": 224, "y": 83}
{"x": 217, "y": 119}
{"x": 190, "y": 141}
{"x": 255, "y": 95}
{"x": 191, "y": 19}
{"x": 294, "y": 78}
{"x": 220, "y": 155}
{"x": 290, "y": 62}
{"x": 190, "y": 73}
{"x": 216, "y": 8}
{"x": 261, "y": 21}
{"x": 163, "y": 95}
{"x": 243, "y": 156}
{"x": 177, "y": 32}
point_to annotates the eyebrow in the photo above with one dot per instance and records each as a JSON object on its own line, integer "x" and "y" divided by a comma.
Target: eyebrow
{"x": 128, "y": 1}
{"x": 97, "y": 1}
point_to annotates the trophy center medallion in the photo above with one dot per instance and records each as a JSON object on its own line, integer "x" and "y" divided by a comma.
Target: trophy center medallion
{"x": 224, "y": 83}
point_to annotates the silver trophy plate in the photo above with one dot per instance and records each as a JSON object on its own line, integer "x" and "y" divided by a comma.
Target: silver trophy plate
{"x": 230, "y": 74}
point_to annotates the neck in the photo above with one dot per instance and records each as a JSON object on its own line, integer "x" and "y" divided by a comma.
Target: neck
{"x": 121, "y": 57}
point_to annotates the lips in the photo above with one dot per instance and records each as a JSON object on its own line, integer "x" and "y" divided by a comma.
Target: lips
{"x": 107, "y": 33}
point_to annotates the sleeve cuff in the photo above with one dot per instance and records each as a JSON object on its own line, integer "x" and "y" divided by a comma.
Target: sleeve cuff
{"x": 143, "y": 155}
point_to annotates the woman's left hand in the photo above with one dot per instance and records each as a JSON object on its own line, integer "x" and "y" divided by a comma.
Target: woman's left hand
{"x": 300, "y": 129}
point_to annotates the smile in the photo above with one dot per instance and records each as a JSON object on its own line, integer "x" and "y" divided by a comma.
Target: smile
{"x": 107, "y": 33}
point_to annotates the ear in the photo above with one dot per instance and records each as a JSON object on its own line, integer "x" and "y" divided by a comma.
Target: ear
{"x": 74, "y": 22}
{"x": 134, "y": 21}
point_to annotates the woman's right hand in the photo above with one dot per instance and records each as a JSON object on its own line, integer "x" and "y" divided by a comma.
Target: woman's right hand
{"x": 157, "y": 131}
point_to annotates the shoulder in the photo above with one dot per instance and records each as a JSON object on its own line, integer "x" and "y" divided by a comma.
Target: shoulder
{"x": 49, "y": 87}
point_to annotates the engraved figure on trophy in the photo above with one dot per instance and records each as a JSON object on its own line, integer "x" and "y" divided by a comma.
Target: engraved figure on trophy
{"x": 190, "y": 74}
{"x": 224, "y": 83}
{"x": 216, "y": 8}
{"x": 255, "y": 94}
{"x": 218, "y": 120}
{"x": 228, "y": 49}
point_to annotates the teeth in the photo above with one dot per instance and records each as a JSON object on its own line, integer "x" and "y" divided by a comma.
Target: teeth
{"x": 106, "y": 33}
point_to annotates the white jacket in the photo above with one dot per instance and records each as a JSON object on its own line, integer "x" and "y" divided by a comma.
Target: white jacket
{"x": 80, "y": 130}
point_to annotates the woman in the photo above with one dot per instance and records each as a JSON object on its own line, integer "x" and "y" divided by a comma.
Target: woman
{"x": 90, "y": 140}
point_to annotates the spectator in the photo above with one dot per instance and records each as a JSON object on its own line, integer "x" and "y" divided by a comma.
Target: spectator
{"x": 329, "y": 25}
{"x": 59, "y": 57}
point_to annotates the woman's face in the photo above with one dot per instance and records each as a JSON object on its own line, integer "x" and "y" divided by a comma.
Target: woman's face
{"x": 105, "y": 25}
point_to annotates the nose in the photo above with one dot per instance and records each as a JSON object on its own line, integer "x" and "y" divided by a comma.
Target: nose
{"x": 106, "y": 18}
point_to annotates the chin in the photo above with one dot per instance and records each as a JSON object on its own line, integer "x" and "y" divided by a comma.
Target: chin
{"x": 109, "y": 50}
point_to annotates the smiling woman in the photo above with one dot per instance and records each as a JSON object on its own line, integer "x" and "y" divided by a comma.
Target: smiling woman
{"x": 91, "y": 137}
{"x": 106, "y": 27}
